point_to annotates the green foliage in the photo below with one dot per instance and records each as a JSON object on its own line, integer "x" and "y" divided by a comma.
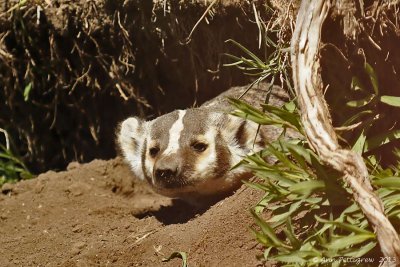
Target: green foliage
{"x": 371, "y": 111}
{"x": 271, "y": 115}
{"x": 327, "y": 222}
{"x": 276, "y": 58}
{"x": 314, "y": 221}
{"x": 27, "y": 91}
{"x": 12, "y": 169}
{"x": 178, "y": 254}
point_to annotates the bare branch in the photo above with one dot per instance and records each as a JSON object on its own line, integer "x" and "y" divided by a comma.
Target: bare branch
{"x": 318, "y": 127}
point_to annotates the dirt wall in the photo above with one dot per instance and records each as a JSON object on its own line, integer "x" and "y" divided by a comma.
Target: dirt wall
{"x": 71, "y": 70}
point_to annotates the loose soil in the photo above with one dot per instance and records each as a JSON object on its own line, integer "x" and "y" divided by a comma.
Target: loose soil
{"x": 96, "y": 214}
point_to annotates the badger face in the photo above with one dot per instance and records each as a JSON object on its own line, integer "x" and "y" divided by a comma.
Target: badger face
{"x": 189, "y": 153}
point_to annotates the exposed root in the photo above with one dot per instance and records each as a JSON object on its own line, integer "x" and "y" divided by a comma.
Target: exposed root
{"x": 318, "y": 126}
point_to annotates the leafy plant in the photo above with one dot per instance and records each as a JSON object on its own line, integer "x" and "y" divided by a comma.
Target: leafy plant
{"x": 371, "y": 111}
{"x": 12, "y": 169}
{"x": 313, "y": 220}
{"x": 276, "y": 58}
{"x": 307, "y": 216}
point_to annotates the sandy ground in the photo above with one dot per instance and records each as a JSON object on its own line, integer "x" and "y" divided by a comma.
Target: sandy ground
{"x": 96, "y": 214}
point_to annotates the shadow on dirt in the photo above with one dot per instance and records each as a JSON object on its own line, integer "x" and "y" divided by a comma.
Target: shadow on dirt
{"x": 177, "y": 213}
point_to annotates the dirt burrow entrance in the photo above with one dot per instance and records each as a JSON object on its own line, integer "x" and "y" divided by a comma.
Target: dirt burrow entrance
{"x": 97, "y": 215}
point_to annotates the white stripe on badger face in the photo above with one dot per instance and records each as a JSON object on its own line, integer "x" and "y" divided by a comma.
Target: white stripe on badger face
{"x": 207, "y": 161}
{"x": 175, "y": 134}
{"x": 149, "y": 162}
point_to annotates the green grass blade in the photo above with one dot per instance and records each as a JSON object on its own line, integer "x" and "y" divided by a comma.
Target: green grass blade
{"x": 307, "y": 187}
{"x": 360, "y": 143}
{"x": 357, "y": 116}
{"x": 372, "y": 76}
{"x": 388, "y": 182}
{"x": 289, "y": 232}
{"x": 345, "y": 226}
{"x": 267, "y": 230}
{"x": 381, "y": 139}
{"x": 360, "y": 102}
{"x": 248, "y": 52}
{"x": 390, "y": 100}
{"x": 347, "y": 241}
{"x": 178, "y": 254}
{"x": 359, "y": 252}
{"x": 27, "y": 91}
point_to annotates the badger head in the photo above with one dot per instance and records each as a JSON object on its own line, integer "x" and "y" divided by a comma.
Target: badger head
{"x": 189, "y": 153}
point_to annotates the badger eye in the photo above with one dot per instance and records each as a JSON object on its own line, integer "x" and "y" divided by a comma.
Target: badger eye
{"x": 154, "y": 151}
{"x": 199, "y": 146}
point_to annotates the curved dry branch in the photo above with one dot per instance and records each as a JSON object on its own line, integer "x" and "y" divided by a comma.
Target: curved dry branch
{"x": 318, "y": 126}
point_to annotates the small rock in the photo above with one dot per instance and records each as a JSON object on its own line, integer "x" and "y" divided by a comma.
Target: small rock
{"x": 7, "y": 188}
{"x": 40, "y": 184}
{"x": 73, "y": 165}
{"x": 77, "y": 229}
{"x": 126, "y": 225}
{"x": 78, "y": 247}
{"x": 78, "y": 189}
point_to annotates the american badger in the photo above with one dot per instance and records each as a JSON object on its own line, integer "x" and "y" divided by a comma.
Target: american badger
{"x": 189, "y": 154}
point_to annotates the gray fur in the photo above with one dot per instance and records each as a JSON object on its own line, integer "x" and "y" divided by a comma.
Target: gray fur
{"x": 189, "y": 154}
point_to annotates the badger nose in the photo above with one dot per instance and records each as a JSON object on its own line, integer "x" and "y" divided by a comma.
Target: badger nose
{"x": 166, "y": 171}
{"x": 163, "y": 174}
{"x": 168, "y": 178}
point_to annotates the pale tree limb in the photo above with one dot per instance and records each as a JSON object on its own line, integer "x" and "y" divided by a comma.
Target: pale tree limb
{"x": 318, "y": 126}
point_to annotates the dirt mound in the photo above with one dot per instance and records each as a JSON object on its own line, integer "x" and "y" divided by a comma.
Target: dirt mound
{"x": 97, "y": 215}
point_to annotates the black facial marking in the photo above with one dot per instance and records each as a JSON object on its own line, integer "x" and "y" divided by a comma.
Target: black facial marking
{"x": 153, "y": 151}
{"x": 134, "y": 144}
{"x": 223, "y": 157}
{"x": 261, "y": 139}
{"x": 144, "y": 160}
{"x": 199, "y": 146}
{"x": 241, "y": 135}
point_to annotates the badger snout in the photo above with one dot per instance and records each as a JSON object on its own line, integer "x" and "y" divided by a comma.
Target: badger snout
{"x": 166, "y": 172}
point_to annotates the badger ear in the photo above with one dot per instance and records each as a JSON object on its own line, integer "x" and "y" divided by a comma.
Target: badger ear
{"x": 234, "y": 129}
{"x": 130, "y": 131}
{"x": 131, "y": 138}
{"x": 240, "y": 133}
